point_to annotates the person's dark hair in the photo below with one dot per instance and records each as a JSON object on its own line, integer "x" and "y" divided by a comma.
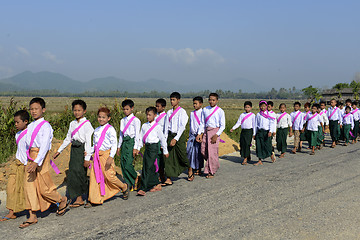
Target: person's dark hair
{"x": 39, "y": 101}
{"x": 175, "y": 95}
{"x": 199, "y": 99}
{"x": 307, "y": 105}
{"x": 340, "y": 104}
{"x": 127, "y": 102}
{"x": 79, "y": 102}
{"x": 348, "y": 100}
{"x": 315, "y": 105}
{"x": 348, "y": 107}
{"x": 355, "y": 103}
{"x": 104, "y": 110}
{"x": 271, "y": 103}
{"x": 161, "y": 101}
{"x": 23, "y": 114}
{"x": 214, "y": 95}
{"x": 262, "y": 102}
{"x": 282, "y": 104}
{"x": 247, "y": 103}
{"x": 322, "y": 102}
{"x": 151, "y": 109}
{"x": 297, "y": 103}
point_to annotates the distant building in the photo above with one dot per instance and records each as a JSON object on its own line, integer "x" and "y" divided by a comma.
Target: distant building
{"x": 329, "y": 94}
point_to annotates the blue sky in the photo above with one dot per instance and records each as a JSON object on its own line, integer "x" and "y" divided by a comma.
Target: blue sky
{"x": 270, "y": 43}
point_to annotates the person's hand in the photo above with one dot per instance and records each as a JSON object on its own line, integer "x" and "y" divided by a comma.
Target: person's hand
{"x": 166, "y": 155}
{"x": 274, "y": 133}
{"x": 269, "y": 134}
{"x": 85, "y": 153}
{"x": 86, "y": 164}
{"x": 303, "y": 130}
{"x": 108, "y": 163}
{"x": 56, "y": 155}
{"x": 340, "y": 126}
{"x": 118, "y": 152}
{"x": 291, "y": 134}
{"x": 31, "y": 167}
{"x": 199, "y": 138}
{"x": 214, "y": 139}
{"x": 173, "y": 142}
{"x": 135, "y": 152}
{"x": 231, "y": 130}
{"x": 254, "y": 137}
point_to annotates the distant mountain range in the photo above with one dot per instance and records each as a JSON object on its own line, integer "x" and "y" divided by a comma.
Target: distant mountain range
{"x": 28, "y": 81}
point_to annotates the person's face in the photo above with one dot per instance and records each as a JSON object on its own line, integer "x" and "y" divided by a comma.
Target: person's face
{"x": 296, "y": 107}
{"x": 333, "y": 103}
{"x": 282, "y": 108}
{"x": 263, "y": 107}
{"x": 247, "y": 108}
{"x": 318, "y": 110}
{"x": 347, "y": 110}
{"x": 341, "y": 106}
{"x": 19, "y": 123}
{"x": 313, "y": 110}
{"x": 322, "y": 106}
{"x": 354, "y": 106}
{"x": 159, "y": 108}
{"x": 174, "y": 101}
{"x": 103, "y": 118}
{"x": 307, "y": 109}
{"x": 348, "y": 104}
{"x": 213, "y": 101}
{"x": 127, "y": 110}
{"x": 197, "y": 105}
{"x": 269, "y": 107}
{"x": 78, "y": 111}
{"x": 150, "y": 116}
{"x": 36, "y": 111}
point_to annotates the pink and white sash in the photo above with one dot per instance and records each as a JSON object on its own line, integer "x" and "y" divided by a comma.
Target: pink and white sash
{"x": 128, "y": 124}
{"x": 345, "y": 116}
{"x": 174, "y": 112}
{"x": 196, "y": 117}
{"x": 208, "y": 117}
{"x": 281, "y": 116}
{"x": 355, "y": 111}
{"x": 334, "y": 111}
{"x": 22, "y": 134}
{"x": 312, "y": 116}
{"x": 160, "y": 117}
{"x": 97, "y": 165}
{"x": 246, "y": 117}
{"x": 78, "y": 128}
{"x": 297, "y": 115}
{"x": 33, "y": 137}
{"x": 306, "y": 115}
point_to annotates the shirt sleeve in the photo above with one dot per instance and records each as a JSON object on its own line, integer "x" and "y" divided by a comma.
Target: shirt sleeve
{"x": 183, "y": 121}
{"x": 255, "y": 125}
{"x": 238, "y": 123}
{"x": 222, "y": 123}
{"x": 66, "y": 141}
{"x": 139, "y": 143}
{"x": 166, "y": 126}
{"x": 202, "y": 123}
{"x": 88, "y": 134}
{"x": 113, "y": 141}
{"x": 137, "y": 130}
{"x": 272, "y": 126}
{"x": 121, "y": 134}
{"x": 162, "y": 140}
{"x": 45, "y": 136}
{"x": 352, "y": 122}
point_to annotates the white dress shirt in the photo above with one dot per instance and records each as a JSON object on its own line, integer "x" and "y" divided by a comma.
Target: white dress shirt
{"x": 313, "y": 124}
{"x": 83, "y": 135}
{"x": 161, "y": 122}
{"x": 110, "y": 141}
{"x": 348, "y": 120}
{"x": 249, "y": 123}
{"x": 217, "y": 120}
{"x": 154, "y": 136}
{"x": 356, "y": 114}
{"x": 177, "y": 124}
{"x": 133, "y": 130}
{"x": 42, "y": 140}
{"x": 336, "y": 116}
{"x": 194, "y": 125}
{"x": 265, "y": 123}
{"x": 298, "y": 124}
{"x": 284, "y": 122}
{"x": 21, "y": 148}
{"x": 324, "y": 117}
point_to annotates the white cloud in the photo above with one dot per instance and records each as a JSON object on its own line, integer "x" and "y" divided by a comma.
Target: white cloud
{"x": 23, "y": 51}
{"x": 50, "y": 56}
{"x": 189, "y": 56}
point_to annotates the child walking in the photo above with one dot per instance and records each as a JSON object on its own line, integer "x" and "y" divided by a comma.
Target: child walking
{"x": 193, "y": 147}
{"x": 304, "y": 134}
{"x": 356, "y": 113}
{"x": 283, "y": 121}
{"x": 79, "y": 135}
{"x": 104, "y": 183}
{"x": 320, "y": 135}
{"x": 247, "y": 122}
{"x": 272, "y": 115}
{"x": 175, "y": 123}
{"x": 312, "y": 121}
{"x": 40, "y": 190}
{"x": 129, "y": 133}
{"x": 334, "y": 116}
{"x": 151, "y": 136}
{"x": 213, "y": 124}
{"x": 263, "y": 131}
{"x": 160, "y": 119}
{"x": 347, "y": 124}
{"x": 15, "y": 198}
{"x": 297, "y": 121}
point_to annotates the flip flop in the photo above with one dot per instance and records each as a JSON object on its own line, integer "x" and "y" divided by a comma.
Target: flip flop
{"x": 76, "y": 205}
{"x": 88, "y": 205}
{"x": 166, "y": 184}
{"x": 62, "y": 211}
{"x": 27, "y": 224}
{"x": 126, "y": 193}
{"x": 191, "y": 178}
{"x": 3, "y": 219}
{"x": 141, "y": 193}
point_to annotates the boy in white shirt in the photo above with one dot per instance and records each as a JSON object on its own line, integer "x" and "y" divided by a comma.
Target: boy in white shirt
{"x": 283, "y": 123}
{"x": 312, "y": 122}
{"x": 297, "y": 121}
{"x": 356, "y": 113}
{"x": 347, "y": 124}
{"x": 160, "y": 119}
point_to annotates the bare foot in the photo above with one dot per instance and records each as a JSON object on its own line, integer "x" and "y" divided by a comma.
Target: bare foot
{"x": 258, "y": 163}
{"x": 282, "y": 155}
{"x": 273, "y": 158}
{"x": 244, "y": 162}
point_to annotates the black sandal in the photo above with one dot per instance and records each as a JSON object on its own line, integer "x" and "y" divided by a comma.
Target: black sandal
{"x": 126, "y": 193}
{"x": 191, "y": 178}
{"x": 23, "y": 225}
{"x": 62, "y": 211}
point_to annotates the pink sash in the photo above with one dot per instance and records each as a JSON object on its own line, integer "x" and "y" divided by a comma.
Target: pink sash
{"x": 174, "y": 112}
{"x": 346, "y": 116}
{"x": 297, "y": 115}
{"x": 312, "y": 116}
{"x": 306, "y": 115}
{"x": 333, "y": 112}
{"x": 160, "y": 117}
{"x": 78, "y": 128}
{"x": 208, "y": 117}
{"x": 354, "y": 111}
{"x": 148, "y": 132}
{"x": 97, "y": 166}
{"x": 246, "y": 117}
{"x": 128, "y": 124}
{"x": 22, "y": 134}
{"x": 33, "y": 136}
{"x": 281, "y": 116}
{"x": 196, "y": 117}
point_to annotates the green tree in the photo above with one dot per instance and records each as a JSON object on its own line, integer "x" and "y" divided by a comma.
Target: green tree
{"x": 311, "y": 93}
{"x": 355, "y": 88}
{"x": 339, "y": 87}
